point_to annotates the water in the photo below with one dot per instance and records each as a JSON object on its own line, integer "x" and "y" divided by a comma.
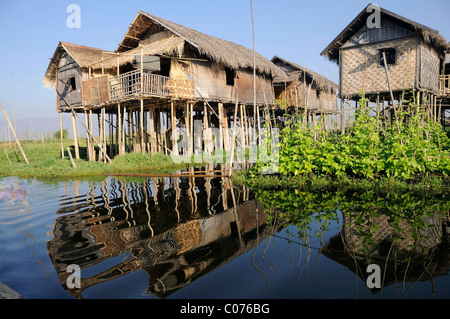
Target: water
{"x": 193, "y": 238}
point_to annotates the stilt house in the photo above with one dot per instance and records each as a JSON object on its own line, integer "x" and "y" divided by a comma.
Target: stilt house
{"x": 301, "y": 87}
{"x": 381, "y": 52}
{"x": 161, "y": 77}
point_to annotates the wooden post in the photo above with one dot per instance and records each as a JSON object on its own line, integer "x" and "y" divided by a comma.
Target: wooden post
{"x": 88, "y": 140}
{"x": 141, "y": 120}
{"x": 103, "y": 132}
{"x": 71, "y": 158}
{"x": 14, "y": 133}
{"x": 119, "y": 129}
{"x": 205, "y": 129}
{"x": 226, "y": 140}
{"x": 100, "y": 135}
{"x": 62, "y": 134}
{"x": 75, "y": 138}
{"x": 173, "y": 123}
{"x": 91, "y": 141}
{"x": 152, "y": 130}
{"x": 220, "y": 111}
{"x": 124, "y": 140}
{"x": 191, "y": 126}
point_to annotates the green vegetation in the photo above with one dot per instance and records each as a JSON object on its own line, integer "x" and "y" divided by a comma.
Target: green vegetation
{"x": 395, "y": 164}
{"x": 403, "y": 144}
{"x": 408, "y": 219}
{"x": 45, "y": 162}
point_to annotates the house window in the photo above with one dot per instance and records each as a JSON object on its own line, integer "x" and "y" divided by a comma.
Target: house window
{"x": 230, "y": 74}
{"x": 72, "y": 84}
{"x": 391, "y": 56}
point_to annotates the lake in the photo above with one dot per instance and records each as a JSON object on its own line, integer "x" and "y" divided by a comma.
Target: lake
{"x": 198, "y": 237}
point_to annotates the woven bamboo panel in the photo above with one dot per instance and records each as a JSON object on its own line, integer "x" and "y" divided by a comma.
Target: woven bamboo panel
{"x": 361, "y": 69}
{"x": 429, "y": 68}
{"x": 181, "y": 89}
{"x": 95, "y": 91}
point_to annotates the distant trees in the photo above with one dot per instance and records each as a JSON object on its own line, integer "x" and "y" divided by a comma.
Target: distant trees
{"x": 57, "y": 134}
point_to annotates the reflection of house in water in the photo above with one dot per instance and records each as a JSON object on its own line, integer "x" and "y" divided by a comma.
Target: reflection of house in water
{"x": 176, "y": 229}
{"x": 404, "y": 254}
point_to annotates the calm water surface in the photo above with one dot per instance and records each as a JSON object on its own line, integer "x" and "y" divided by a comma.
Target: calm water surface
{"x": 195, "y": 238}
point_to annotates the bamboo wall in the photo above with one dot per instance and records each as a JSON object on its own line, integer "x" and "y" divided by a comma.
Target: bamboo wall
{"x": 67, "y": 69}
{"x": 360, "y": 68}
{"x": 429, "y": 67}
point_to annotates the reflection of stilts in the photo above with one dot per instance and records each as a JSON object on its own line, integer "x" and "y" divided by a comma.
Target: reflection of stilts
{"x": 177, "y": 195}
{"x": 147, "y": 208}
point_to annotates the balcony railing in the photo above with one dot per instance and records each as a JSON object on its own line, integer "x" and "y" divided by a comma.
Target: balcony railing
{"x": 128, "y": 84}
{"x": 444, "y": 84}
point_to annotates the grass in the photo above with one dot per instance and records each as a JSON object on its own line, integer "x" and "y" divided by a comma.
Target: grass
{"x": 45, "y": 162}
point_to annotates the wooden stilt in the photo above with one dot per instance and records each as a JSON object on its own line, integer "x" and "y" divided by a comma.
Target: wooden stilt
{"x": 62, "y": 134}
{"x": 119, "y": 129}
{"x": 88, "y": 139}
{"x": 124, "y": 136}
{"x": 141, "y": 120}
{"x": 75, "y": 137}
{"x": 103, "y": 132}
{"x": 91, "y": 141}
{"x": 173, "y": 123}
{"x": 220, "y": 112}
{"x": 241, "y": 126}
{"x": 191, "y": 127}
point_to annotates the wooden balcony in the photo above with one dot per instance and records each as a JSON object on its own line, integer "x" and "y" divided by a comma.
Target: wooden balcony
{"x": 130, "y": 84}
{"x": 444, "y": 85}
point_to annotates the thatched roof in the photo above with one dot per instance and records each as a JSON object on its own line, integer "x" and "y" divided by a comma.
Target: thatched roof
{"x": 230, "y": 54}
{"x": 429, "y": 35}
{"x": 299, "y": 72}
{"x": 82, "y": 55}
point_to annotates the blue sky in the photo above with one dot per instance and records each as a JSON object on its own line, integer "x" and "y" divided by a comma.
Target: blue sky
{"x": 295, "y": 30}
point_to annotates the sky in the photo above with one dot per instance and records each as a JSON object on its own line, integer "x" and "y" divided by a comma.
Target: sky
{"x": 295, "y": 30}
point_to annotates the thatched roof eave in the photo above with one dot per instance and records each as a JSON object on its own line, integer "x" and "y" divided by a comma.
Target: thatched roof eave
{"x": 232, "y": 55}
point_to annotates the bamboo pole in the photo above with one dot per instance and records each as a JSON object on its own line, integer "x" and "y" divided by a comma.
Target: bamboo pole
{"x": 62, "y": 134}
{"x": 191, "y": 126}
{"x": 119, "y": 128}
{"x": 234, "y": 134}
{"x": 152, "y": 130}
{"x": 6, "y": 153}
{"x": 75, "y": 137}
{"x": 73, "y": 113}
{"x": 254, "y": 71}
{"x": 70, "y": 156}
{"x": 90, "y": 137}
{"x": 124, "y": 141}
{"x": 173, "y": 123}
{"x": 88, "y": 140}
{"x": 141, "y": 120}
